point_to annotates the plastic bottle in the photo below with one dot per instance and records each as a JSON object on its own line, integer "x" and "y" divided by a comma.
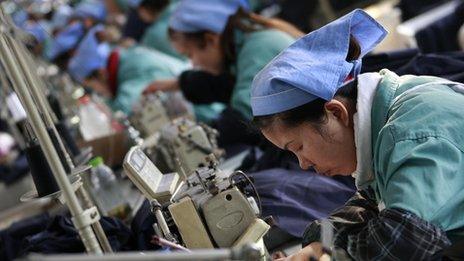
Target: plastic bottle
{"x": 94, "y": 122}
{"x": 107, "y": 190}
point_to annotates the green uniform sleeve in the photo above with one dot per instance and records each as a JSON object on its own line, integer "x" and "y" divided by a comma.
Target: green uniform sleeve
{"x": 259, "y": 49}
{"x": 139, "y": 67}
{"x": 248, "y": 68}
{"x": 207, "y": 113}
{"x": 128, "y": 93}
{"x": 421, "y": 175}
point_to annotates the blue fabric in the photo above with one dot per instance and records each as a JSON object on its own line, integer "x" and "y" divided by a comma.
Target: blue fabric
{"x": 441, "y": 36}
{"x": 53, "y": 235}
{"x": 66, "y": 39}
{"x": 206, "y": 15}
{"x": 314, "y": 66}
{"x": 449, "y": 65}
{"x": 20, "y": 17}
{"x": 90, "y": 56}
{"x": 142, "y": 228}
{"x": 134, "y": 27}
{"x": 11, "y": 237}
{"x": 295, "y": 198}
{"x": 37, "y": 30}
{"x": 61, "y": 16}
{"x": 12, "y": 173}
{"x": 91, "y": 8}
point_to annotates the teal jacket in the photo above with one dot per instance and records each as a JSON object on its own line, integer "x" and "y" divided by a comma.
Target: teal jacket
{"x": 418, "y": 149}
{"x": 138, "y": 67}
{"x": 156, "y": 35}
{"x": 254, "y": 51}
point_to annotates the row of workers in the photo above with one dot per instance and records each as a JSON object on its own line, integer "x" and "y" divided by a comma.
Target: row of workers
{"x": 400, "y": 137}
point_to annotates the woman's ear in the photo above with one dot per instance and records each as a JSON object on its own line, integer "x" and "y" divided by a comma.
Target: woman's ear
{"x": 338, "y": 110}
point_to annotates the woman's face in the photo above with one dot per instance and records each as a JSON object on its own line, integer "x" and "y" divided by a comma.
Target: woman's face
{"x": 330, "y": 151}
{"x": 207, "y": 56}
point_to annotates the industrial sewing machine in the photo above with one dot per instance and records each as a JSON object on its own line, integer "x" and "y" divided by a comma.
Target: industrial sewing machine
{"x": 156, "y": 110}
{"x": 185, "y": 145}
{"x": 208, "y": 209}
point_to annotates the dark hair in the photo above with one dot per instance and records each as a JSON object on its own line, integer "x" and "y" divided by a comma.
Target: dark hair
{"x": 313, "y": 112}
{"x": 63, "y": 59}
{"x": 154, "y": 6}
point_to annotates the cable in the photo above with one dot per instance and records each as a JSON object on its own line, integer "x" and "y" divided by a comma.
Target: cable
{"x": 255, "y": 191}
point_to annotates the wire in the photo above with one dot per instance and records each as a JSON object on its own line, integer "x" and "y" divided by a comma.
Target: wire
{"x": 255, "y": 191}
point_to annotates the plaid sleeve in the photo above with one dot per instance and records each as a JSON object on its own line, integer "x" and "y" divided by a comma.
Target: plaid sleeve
{"x": 391, "y": 234}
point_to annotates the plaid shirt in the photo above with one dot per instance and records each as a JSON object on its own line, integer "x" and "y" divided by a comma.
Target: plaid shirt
{"x": 391, "y": 234}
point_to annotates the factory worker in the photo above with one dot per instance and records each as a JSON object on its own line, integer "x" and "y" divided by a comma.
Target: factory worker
{"x": 223, "y": 39}
{"x": 84, "y": 16}
{"x": 400, "y": 137}
{"x": 61, "y": 17}
{"x": 64, "y": 43}
{"x": 122, "y": 74}
{"x": 38, "y": 31}
{"x": 91, "y": 12}
{"x": 157, "y": 13}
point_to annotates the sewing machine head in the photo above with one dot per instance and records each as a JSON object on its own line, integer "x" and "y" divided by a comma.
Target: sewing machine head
{"x": 186, "y": 146}
{"x": 150, "y": 115}
{"x": 209, "y": 209}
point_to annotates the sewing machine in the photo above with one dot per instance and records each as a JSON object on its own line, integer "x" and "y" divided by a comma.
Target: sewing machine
{"x": 209, "y": 209}
{"x": 156, "y": 110}
{"x": 182, "y": 146}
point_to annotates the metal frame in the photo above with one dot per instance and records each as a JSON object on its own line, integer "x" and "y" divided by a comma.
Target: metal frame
{"x": 245, "y": 253}
{"x": 16, "y": 69}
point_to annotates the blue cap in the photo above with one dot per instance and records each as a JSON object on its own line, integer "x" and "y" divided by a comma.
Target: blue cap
{"x": 61, "y": 16}
{"x": 20, "y": 17}
{"x": 90, "y": 55}
{"x": 192, "y": 16}
{"x": 66, "y": 39}
{"x": 314, "y": 66}
{"x": 95, "y": 9}
{"x": 37, "y": 30}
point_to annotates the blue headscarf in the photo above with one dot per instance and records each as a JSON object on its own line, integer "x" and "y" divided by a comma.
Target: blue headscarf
{"x": 91, "y": 55}
{"x": 192, "y": 16}
{"x": 66, "y": 39}
{"x": 314, "y": 66}
{"x": 61, "y": 16}
{"x": 95, "y": 9}
{"x": 20, "y": 17}
{"x": 37, "y": 30}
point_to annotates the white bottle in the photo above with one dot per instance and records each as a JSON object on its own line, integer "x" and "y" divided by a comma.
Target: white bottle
{"x": 94, "y": 122}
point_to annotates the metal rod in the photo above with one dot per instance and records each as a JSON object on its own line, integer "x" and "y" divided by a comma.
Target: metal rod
{"x": 97, "y": 227}
{"x": 33, "y": 82}
{"x": 166, "y": 243}
{"x": 31, "y": 63}
{"x": 216, "y": 254}
{"x": 86, "y": 232}
{"x": 156, "y": 209}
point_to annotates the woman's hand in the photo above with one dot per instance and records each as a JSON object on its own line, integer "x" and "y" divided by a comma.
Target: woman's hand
{"x": 162, "y": 85}
{"x": 311, "y": 251}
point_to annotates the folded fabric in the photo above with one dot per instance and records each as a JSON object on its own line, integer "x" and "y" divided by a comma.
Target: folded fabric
{"x": 295, "y": 198}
